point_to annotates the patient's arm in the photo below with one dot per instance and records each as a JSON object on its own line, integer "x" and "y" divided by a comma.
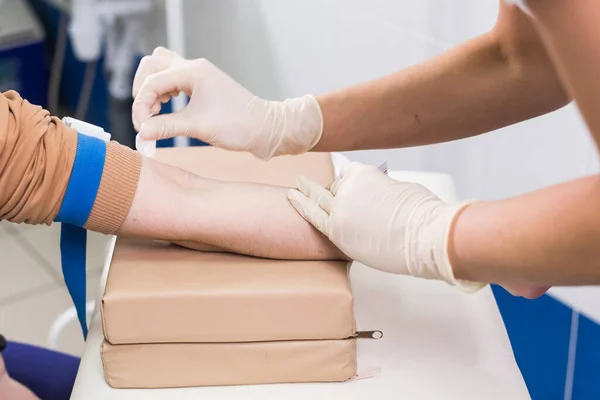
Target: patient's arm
{"x": 247, "y": 218}
{"x": 141, "y": 197}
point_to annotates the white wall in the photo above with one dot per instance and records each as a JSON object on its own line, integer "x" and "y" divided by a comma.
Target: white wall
{"x": 280, "y": 48}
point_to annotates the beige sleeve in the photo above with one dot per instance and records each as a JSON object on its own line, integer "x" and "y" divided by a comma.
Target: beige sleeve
{"x": 37, "y": 152}
{"x": 118, "y": 185}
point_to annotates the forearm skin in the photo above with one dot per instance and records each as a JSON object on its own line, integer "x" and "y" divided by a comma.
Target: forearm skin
{"x": 545, "y": 238}
{"x": 254, "y": 219}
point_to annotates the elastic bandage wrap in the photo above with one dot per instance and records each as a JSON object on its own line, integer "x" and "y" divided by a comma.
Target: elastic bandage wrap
{"x": 37, "y": 155}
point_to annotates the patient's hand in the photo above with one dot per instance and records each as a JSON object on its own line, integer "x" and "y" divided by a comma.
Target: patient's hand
{"x": 203, "y": 214}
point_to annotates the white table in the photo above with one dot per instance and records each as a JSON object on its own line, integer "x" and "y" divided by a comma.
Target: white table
{"x": 438, "y": 343}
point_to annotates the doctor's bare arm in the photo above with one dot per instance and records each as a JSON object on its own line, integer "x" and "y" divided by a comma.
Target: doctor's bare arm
{"x": 497, "y": 79}
{"x": 247, "y": 218}
{"x": 571, "y": 32}
{"x": 551, "y": 236}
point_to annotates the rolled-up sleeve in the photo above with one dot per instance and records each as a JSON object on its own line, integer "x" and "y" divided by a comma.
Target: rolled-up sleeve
{"x": 36, "y": 157}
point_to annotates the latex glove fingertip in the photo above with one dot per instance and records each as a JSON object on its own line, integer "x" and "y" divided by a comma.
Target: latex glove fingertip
{"x": 146, "y": 132}
{"x": 309, "y": 210}
{"x": 138, "y": 123}
{"x": 348, "y": 168}
{"x": 291, "y": 194}
{"x": 306, "y": 185}
{"x": 156, "y": 107}
{"x": 296, "y": 198}
{"x": 300, "y": 181}
{"x": 299, "y": 202}
{"x": 335, "y": 186}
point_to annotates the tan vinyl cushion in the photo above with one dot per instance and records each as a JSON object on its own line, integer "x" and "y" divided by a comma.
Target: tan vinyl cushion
{"x": 200, "y": 364}
{"x": 174, "y": 317}
{"x": 159, "y": 293}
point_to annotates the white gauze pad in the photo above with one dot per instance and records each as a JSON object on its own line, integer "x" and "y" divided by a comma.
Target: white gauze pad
{"x": 146, "y": 147}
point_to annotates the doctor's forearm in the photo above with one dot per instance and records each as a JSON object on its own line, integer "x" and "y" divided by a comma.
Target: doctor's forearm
{"x": 175, "y": 205}
{"x": 492, "y": 81}
{"x": 545, "y": 238}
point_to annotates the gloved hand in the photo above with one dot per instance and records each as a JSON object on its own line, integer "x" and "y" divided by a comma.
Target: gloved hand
{"x": 220, "y": 111}
{"x": 392, "y": 226}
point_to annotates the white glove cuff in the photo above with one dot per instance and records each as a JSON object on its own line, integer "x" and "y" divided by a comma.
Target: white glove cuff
{"x": 446, "y": 267}
{"x": 299, "y": 127}
{"x": 522, "y": 4}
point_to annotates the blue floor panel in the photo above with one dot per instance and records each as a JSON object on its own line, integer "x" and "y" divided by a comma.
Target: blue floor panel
{"x": 539, "y": 332}
{"x": 586, "y": 384}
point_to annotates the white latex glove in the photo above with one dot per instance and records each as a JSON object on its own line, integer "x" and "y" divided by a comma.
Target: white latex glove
{"x": 220, "y": 111}
{"x": 392, "y": 226}
{"x": 522, "y": 4}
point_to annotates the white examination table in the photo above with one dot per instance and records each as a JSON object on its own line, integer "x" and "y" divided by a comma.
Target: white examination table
{"x": 438, "y": 343}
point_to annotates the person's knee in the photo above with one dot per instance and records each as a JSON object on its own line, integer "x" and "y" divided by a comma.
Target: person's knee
{"x": 48, "y": 374}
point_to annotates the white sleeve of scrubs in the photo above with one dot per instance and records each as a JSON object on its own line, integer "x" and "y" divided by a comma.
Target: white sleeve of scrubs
{"x": 522, "y": 4}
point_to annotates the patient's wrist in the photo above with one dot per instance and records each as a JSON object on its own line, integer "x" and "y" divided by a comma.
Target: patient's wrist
{"x": 117, "y": 189}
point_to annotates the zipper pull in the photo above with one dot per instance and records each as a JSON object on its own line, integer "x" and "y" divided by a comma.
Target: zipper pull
{"x": 368, "y": 335}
